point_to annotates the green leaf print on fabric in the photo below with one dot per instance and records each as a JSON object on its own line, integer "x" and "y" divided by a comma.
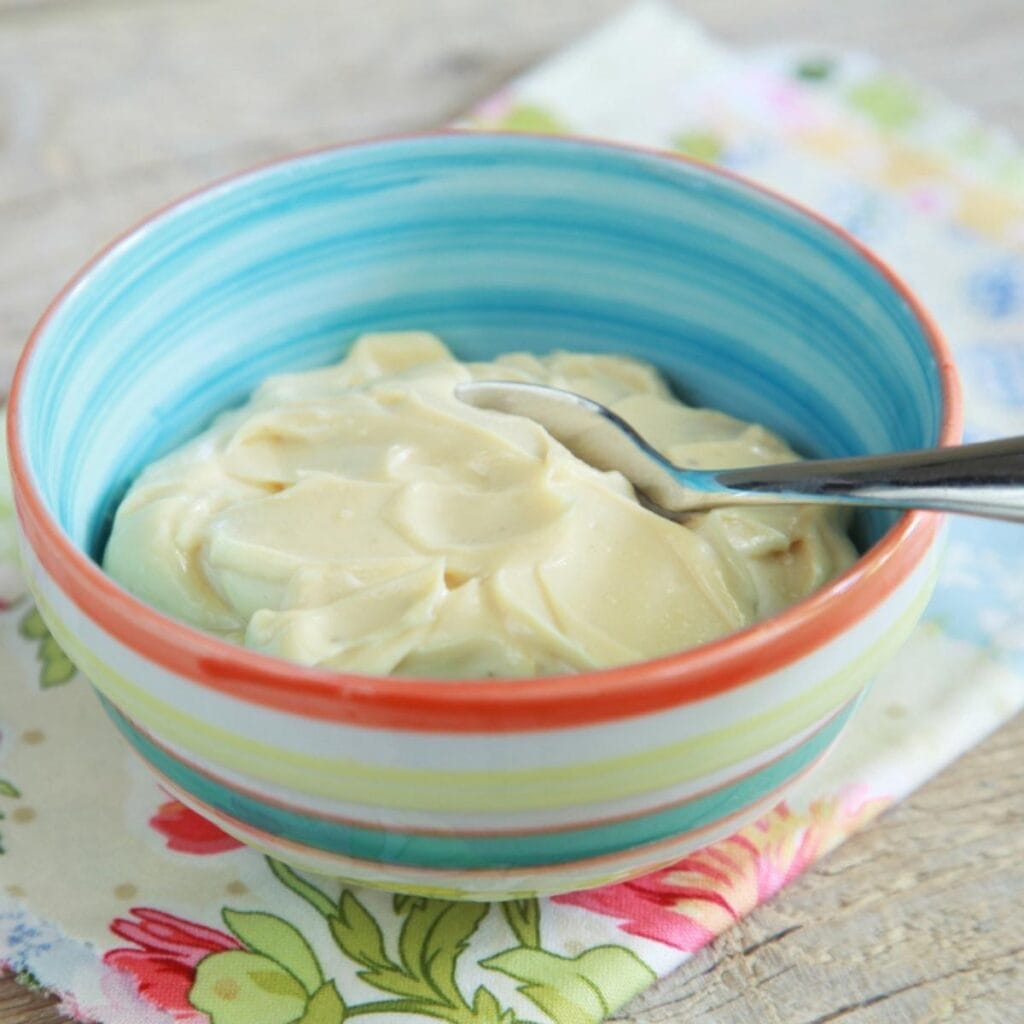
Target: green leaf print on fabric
{"x": 433, "y": 935}
{"x": 525, "y": 117}
{"x": 580, "y": 990}
{"x": 358, "y": 934}
{"x": 487, "y": 1009}
{"x": 890, "y": 102}
{"x": 278, "y": 940}
{"x": 814, "y": 69}
{"x": 325, "y": 1007}
{"x": 56, "y": 667}
{"x": 238, "y": 987}
{"x": 523, "y": 917}
{"x": 700, "y": 145}
{"x": 278, "y": 979}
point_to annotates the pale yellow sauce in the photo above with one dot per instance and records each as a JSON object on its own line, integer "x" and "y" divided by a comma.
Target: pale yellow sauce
{"x": 361, "y": 518}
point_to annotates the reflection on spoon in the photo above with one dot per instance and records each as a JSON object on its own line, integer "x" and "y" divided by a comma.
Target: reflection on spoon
{"x": 984, "y": 479}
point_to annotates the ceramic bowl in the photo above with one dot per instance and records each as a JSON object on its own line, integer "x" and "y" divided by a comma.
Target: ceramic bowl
{"x": 480, "y": 788}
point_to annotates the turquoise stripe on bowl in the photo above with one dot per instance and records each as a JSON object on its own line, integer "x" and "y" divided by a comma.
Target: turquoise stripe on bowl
{"x": 742, "y": 301}
{"x": 475, "y": 852}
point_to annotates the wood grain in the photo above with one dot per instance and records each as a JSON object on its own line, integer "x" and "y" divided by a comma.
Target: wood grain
{"x": 110, "y": 107}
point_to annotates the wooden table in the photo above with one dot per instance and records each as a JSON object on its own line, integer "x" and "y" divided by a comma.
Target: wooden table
{"x": 109, "y": 107}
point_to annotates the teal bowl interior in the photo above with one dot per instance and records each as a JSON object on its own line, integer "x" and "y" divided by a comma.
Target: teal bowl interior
{"x": 496, "y": 243}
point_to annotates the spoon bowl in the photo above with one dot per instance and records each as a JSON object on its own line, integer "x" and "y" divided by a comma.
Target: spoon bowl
{"x": 985, "y": 479}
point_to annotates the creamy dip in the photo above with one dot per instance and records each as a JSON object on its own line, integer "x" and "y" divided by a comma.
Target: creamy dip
{"x": 361, "y": 518}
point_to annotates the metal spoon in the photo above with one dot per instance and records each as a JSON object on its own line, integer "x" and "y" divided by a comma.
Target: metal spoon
{"x": 977, "y": 479}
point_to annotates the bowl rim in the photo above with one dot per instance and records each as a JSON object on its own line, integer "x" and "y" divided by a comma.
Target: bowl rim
{"x": 483, "y": 705}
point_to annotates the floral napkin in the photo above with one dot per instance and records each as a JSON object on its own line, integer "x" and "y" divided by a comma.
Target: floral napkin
{"x": 136, "y": 911}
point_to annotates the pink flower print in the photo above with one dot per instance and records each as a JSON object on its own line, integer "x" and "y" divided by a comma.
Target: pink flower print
{"x": 163, "y": 966}
{"x": 188, "y": 832}
{"x": 690, "y": 902}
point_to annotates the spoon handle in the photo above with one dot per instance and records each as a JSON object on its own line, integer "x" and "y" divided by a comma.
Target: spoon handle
{"x": 985, "y": 479}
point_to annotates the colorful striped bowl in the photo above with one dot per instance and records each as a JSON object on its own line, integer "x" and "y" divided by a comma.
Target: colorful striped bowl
{"x": 482, "y": 788}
